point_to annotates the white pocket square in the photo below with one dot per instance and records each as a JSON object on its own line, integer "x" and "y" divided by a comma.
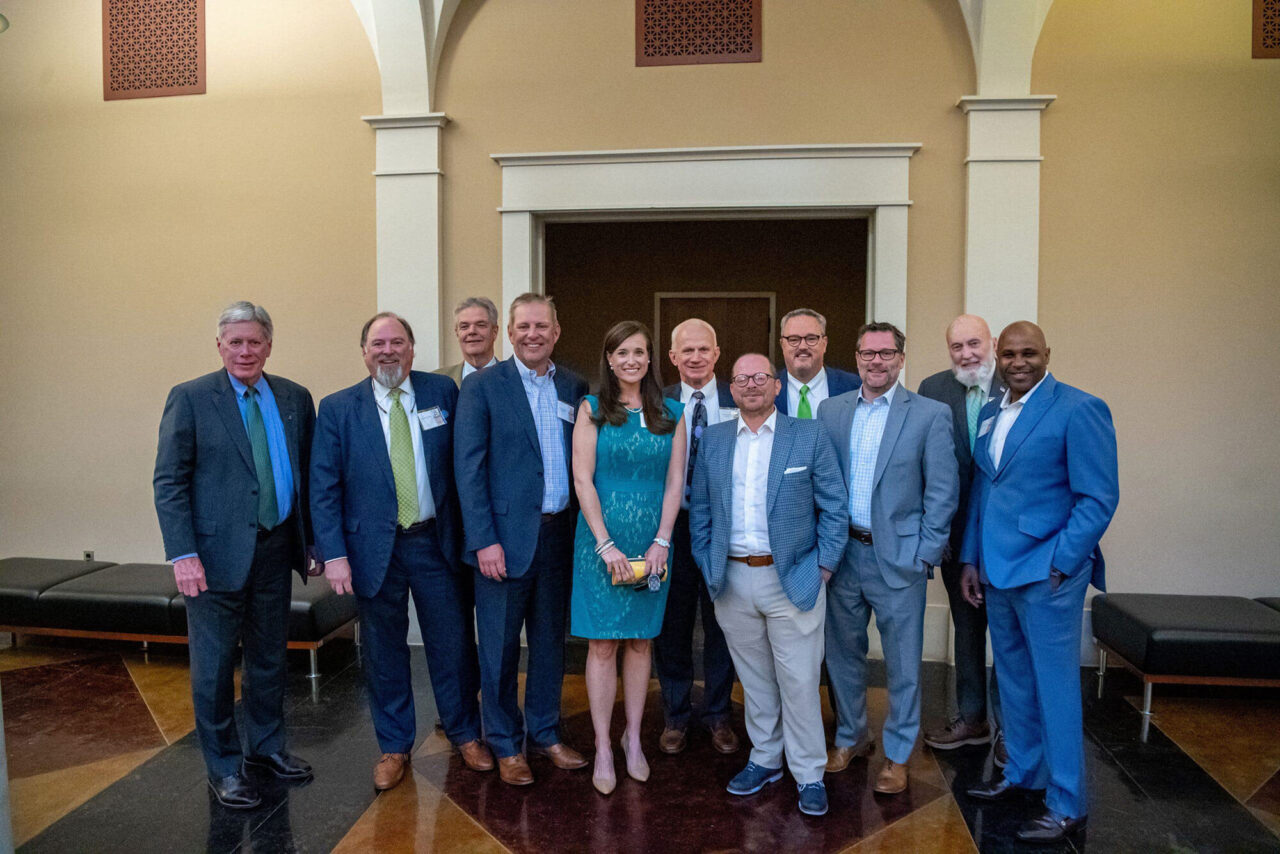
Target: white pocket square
{"x": 795, "y": 469}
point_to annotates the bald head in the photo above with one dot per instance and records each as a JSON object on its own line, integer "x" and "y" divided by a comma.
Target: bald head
{"x": 694, "y": 352}
{"x": 972, "y": 350}
{"x": 1023, "y": 355}
{"x": 754, "y": 399}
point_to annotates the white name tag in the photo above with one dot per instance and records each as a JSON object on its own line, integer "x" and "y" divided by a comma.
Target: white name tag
{"x": 986, "y": 426}
{"x": 429, "y": 419}
{"x": 728, "y": 413}
{"x": 565, "y": 411}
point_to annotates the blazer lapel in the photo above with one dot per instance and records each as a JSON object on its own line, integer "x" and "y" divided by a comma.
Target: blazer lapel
{"x": 892, "y": 427}
{"x": 725, "y": 470}
{"x": 225, "y": 402}
{"x": 1030, "y": 415}
{"x": 957, "y": 396}
{"x": 564, "y": 393}
{"x": 370, "y": 425}
{"x": 423, "y": 400}
{"x": 523, "y": 412}
{"x": 783, "y": 439}
{"x": 844, "y": 426}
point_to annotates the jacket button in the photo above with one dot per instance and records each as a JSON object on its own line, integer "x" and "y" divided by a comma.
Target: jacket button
{"x": 252, "y": 525}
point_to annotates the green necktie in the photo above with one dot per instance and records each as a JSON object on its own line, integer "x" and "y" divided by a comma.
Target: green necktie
{"x": 972, "y": 406}
{"x": 804, "y": 410}
{"x": 268, "y": 510}
{"x": 402, "y": 467}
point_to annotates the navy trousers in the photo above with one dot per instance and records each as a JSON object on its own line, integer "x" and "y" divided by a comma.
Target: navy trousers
{"x": 442, "y": 596}
{"x": 673, "y": 648}
{"x": 257, "y": 618}
{"x": 971, "y": 654}
{"x": 535, "y": 601}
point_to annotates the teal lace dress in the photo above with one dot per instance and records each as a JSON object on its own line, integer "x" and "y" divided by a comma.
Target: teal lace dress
{"x": 631, "y": 473}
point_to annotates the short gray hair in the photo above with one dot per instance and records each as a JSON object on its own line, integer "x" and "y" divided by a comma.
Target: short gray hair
{"x": 804, "y": 312}
{"x": 243, "y": 311}
{"x": 478, "y": 302}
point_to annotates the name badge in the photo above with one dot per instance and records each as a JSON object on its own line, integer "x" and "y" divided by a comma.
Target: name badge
{"x": 565, "y": 411}
{"x": 986, "y": 426}
{"x": 728, "y": 413}
{"x": 429, "y": 419}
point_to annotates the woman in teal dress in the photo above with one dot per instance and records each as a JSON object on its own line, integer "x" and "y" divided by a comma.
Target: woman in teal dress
{"x": 628, "y": 470}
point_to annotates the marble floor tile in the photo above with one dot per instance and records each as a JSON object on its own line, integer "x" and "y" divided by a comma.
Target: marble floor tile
{"x": 1265, "y": 804}
{"x": 39, "y": 800}
{"x": 416, "y": 816}
{"x": 938, "y": 826}
{"x": 33, "y": 653}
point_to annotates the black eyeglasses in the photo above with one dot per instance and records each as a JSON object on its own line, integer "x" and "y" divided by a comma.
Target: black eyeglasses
{"x": 794, "y": 340}
{"x": 885, "y": 355}
{"x": 743, "y": 380}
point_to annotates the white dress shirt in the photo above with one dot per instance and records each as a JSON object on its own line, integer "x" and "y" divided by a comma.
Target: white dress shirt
{"x": 382, "y": 397}
{"x": 710, "y": 399}
{"x": 468, "y": 369}
{"x": 749, "y": 531}
{"x": 817, "y": 392}
{"x": 1009, "y": 412}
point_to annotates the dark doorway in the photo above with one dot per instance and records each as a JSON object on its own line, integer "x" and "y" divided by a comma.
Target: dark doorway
{"x": 741, "y": 276}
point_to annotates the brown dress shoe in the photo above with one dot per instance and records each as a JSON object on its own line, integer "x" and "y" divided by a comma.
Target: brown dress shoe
{"x": 838, "y": 758}
{"x": 892, "y": 778}
{"x": 562, "y": 756}
{"x": 673, "y": 740}
{"x": 723, "y": 738}
{"x": 476, "y": 755}
{"x": 514, "y": 770}
{"x": 389, "y": 771}
{"x": 957, "y": 733}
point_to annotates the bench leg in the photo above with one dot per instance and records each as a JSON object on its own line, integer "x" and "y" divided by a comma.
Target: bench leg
{"x": 315, "y": 668}
{"x": 357, "y": 634}
{"x": 1146, "y": 712}
{"x": 1102, "y": 669}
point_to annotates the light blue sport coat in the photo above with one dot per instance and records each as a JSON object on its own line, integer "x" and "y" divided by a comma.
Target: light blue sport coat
{"x": 916, "y": 487}
{"x": 806, "y": 505}
{"x": 1053, "y": 496}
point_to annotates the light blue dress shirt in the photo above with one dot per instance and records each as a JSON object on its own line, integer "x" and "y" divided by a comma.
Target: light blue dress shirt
{"x": 541, "y": 391}
{"x": 869, "y": 418}
{"x": 276, "y": 443}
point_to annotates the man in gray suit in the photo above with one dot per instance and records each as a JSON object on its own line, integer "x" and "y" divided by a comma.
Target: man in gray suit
{"x": 758, "y": 484}
{"x": 971, "y": 382}
{"x": 895, "y": 451}
{"x": 475, "y": 322}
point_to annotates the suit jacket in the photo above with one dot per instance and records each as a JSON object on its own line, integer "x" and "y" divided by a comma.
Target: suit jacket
{"x": 1053, "y": 496}
{"x": 838, "y": 382}
{"x": 945, "y": 388}
{"x": 806, "y": 506}
{"x": 915, "y": 488}
{"x": 353, "y": 492}
{"x": 725, "y": 397}
{"x": 206, "y": 486}
{"x": 453, "y": 372}
{"x": 498, "y": 461}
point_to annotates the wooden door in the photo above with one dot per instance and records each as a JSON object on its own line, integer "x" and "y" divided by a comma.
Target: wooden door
{"x": 744, "y": 323}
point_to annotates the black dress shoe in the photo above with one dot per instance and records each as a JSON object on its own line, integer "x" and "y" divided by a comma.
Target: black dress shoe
{"x": 235, "y": 792}
{"x": 1050, "y": 826}
{"x": 998, "y": 789}
{"x": 283, "y": 765}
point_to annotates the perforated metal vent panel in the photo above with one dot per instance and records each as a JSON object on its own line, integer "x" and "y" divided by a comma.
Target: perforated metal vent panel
{"x": 687, "y": 32}
{"x": 152, "y": 48}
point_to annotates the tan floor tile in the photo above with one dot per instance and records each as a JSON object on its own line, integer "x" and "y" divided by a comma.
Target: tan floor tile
{"x": 16, "y": 658}
{"x": 39, "y": 801}
{"x": 165, "y": 685}
{"x": 433, "y": 744}
{"x": 1270, "y": 819}
{"x": 937, "y": 826}
{"x": 416, "y": 816}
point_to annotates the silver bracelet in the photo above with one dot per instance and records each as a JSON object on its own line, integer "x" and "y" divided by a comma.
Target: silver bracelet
{"x": 666, "y": 544}
{"x": 603, "y": 547}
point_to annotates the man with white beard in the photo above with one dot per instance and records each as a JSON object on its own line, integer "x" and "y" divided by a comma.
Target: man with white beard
{"x": 966, "y": 388}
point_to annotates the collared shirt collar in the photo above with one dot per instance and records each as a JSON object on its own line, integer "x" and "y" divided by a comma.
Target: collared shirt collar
{"x": 818, "y": 383}
{"x": 527, "y": 372}
{"x": 887, "y": 397}
{"x": 708, "y": 391}
{"x": 239, "y": 387}
{"x": 381, "y": 392}
{"x": 1005, "y": 403}
{"x": 770, "y": 424}
{"x": 468, "y": 369}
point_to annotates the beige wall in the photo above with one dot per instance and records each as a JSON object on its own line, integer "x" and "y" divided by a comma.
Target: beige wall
{"x": 125, "y": 226}
{"x": 1160, "y": 260}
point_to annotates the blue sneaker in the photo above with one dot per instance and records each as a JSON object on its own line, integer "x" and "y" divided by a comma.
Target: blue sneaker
{"x": 813, "y": 798}
{"x": 753, "y": 778}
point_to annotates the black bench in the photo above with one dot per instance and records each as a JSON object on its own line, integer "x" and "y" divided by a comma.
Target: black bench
{"x": 139, "y": 602}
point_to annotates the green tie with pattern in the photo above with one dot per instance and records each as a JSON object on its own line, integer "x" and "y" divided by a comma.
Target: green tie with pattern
{"x": 972, "y": 406}
{"x": 804, "y": 410}
{"x": 402, "y": 463}
{"x": 268, "y": 510}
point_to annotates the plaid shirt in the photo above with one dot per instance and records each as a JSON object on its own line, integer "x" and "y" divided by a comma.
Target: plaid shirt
{"x": 864, "y": 448}
{"x": 541, "y": 391}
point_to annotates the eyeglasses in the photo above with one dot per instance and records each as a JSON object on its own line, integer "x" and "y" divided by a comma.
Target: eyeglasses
{"x": 794, "y": 340}
{"x": 744, "y": 380}
{"x": 885, "y": 355}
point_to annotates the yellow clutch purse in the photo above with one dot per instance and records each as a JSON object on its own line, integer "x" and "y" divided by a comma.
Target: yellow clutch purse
{"x": 639, "y": 579}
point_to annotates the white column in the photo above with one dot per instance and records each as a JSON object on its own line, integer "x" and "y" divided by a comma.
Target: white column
{"x": 407, "y": 180}
{"x": 1002, "y": 234}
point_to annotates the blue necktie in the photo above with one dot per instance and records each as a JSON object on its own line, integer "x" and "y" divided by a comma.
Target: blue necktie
{"x": 699, "y": 423}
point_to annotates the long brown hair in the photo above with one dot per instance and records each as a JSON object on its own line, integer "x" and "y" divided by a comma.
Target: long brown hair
{"x": 611, "y": 409}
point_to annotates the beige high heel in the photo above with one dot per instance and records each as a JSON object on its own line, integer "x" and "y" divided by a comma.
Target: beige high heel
{"x": 637, "y": 769}
{"x": 604, "y": 785}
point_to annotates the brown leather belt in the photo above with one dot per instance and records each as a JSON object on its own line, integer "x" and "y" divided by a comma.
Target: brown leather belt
{"x": 416, "y": 527}
{"x": 754, "y": 560}
{"x": 860, "y": 535}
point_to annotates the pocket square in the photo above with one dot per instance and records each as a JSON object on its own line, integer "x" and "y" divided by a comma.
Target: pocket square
{"x": 795, "y": 469}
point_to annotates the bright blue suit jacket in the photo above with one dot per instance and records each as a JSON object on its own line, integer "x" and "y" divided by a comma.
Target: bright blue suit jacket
{"x": 1050, "y": 501}
{"x": 806, "y": 505}
{"x": 838, "y": 382}
{"x": 353, "y": 492}
{"x": 498, "y": 461}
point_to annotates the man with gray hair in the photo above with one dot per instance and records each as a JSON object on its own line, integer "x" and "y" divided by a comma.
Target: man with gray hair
{"x": 807, "y": 381}
{"x": 231, "y": 498}
{"x": 475, "y": 322}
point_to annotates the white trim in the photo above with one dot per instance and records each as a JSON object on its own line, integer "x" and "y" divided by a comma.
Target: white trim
{"x": 407, "y": 120}
{"x": 731, "y": 152}
{"x": 1023, "y": 102}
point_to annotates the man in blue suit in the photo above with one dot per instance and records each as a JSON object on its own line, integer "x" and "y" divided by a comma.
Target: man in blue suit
{"x": 807, "y": 381}
{"x": 768, "y": 524}
{"x": 896, "y": 454}
{"x": 231, "y": 498}
{"x": 386, "y": 521}
{"x": 512, "y": 461}
{"x": 1045, "y": 489}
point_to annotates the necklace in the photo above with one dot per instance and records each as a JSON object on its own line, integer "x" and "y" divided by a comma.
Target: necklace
{"x": 636, "y": 409}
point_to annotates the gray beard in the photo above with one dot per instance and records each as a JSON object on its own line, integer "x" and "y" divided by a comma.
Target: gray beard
{"x": 389, "y": 376}
{"x": 981, "y": 375}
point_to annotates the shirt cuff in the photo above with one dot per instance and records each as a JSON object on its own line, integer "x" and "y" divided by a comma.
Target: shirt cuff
{"x": 182, "y": 557}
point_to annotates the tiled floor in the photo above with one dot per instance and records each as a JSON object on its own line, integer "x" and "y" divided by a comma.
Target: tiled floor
{"x": 102, "y": 757}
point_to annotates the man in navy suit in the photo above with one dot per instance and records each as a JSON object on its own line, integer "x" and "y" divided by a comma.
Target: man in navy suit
{"x": 231, "y": 497}
{"x": 970, "y": 383}
{"x": 694, "y": 352}
{"x": 386, "y": 521}
{"x": 807, "y": 381}
{"x": 768, "y": 522}
{"x": 512, "y": 461}
{"x": 1045, "y": 488}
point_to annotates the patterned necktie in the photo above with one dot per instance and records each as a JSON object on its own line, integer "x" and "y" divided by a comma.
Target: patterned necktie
{"x": 804, "y": 410}
{"x": 972, "y": 406}
{"x": 402, "y": 468}
{"x": 695, "y": 436}
{"x": 268, "y": 510}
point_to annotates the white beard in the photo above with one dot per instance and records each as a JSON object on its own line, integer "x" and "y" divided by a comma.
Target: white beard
{"x": 389, "y": 376}
{"x": 981, "y": 375}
